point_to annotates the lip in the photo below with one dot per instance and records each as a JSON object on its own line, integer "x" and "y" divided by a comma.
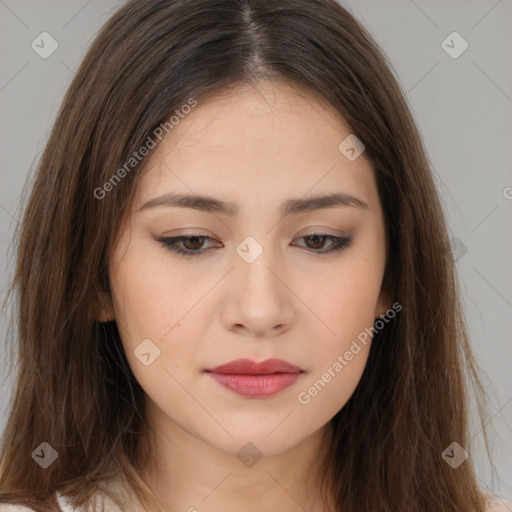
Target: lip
{"x": 249, "y": 367}
{"x": 256, "y": 380}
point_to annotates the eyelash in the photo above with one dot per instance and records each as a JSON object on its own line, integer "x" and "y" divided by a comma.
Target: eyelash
{"x": 170, "y": 243}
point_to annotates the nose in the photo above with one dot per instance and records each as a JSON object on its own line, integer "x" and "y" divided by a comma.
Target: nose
{"x": 258, "y": 299}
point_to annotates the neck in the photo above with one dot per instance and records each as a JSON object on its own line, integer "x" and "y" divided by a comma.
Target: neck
{"x": 186, "y": 473}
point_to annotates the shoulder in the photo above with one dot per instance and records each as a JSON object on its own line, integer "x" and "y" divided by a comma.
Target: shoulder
{"x": 98, "y": 500}
{"x": 7, "y": 507}
{"x": 494, "y": 504}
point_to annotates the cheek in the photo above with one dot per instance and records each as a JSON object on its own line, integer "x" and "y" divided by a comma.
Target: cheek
{"x": 148, "y": 314}
{"x": 149, "y": 298}
{"x": 152, "y": 302}
{"x": 345, "y": 302}
{"x": 341, "y": 347}
{"x": 327, "y": 392}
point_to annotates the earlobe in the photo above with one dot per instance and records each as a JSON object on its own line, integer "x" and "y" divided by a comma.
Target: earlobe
{"x": 106, "y": 309}
{"x": 383, "y": 304}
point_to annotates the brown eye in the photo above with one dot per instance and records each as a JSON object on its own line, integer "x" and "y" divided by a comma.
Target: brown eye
{"x": 187, "y": 245}
{"x": 317, "y": 241}
{"x": 192, "y": 245}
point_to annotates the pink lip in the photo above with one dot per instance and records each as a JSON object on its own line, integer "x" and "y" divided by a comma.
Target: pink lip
{"x": 256, "y": 380}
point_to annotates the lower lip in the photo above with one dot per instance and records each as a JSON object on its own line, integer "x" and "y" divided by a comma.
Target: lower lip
{"x": 256, "y": 386}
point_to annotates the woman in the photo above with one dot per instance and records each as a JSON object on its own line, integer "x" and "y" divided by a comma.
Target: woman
{"x": 233, "y": 283}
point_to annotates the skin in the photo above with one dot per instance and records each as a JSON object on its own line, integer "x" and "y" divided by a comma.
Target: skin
{"x": 256, "y": 146}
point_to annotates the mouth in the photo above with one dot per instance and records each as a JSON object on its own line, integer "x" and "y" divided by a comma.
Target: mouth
{"x": 256, "y": 380}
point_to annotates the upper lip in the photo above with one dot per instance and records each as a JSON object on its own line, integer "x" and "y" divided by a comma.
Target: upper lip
{"x": 249, "y": 367}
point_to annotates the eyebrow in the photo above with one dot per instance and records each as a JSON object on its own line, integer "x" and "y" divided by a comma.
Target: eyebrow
{"x": 210, "y": 204}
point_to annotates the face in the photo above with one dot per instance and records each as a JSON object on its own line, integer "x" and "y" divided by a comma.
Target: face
{"x": 263, "y": 271}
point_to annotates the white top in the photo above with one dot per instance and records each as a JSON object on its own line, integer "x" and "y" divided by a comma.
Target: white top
{"x": 7, "y": 507}
{"x": 109, "y": 506}
{"x": 497, "y": 505}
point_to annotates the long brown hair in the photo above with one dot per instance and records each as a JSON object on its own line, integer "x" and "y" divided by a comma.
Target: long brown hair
{"x": 74, "y": 388}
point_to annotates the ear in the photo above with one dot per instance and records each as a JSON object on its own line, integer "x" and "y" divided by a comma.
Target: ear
{"x": 383, "y": 304}
{"x": 106, "y": 308}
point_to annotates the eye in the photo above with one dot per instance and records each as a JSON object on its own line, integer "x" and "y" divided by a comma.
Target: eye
{"x": 192, "y": 245}
{"x": 318, "y": 239}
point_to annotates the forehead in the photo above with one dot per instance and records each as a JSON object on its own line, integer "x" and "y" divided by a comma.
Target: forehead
{"x": 239, "y": 117}
{"x": 265, "y": 141}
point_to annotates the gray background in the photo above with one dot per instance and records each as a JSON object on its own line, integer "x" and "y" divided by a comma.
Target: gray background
{"x": 463, "y": 107}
